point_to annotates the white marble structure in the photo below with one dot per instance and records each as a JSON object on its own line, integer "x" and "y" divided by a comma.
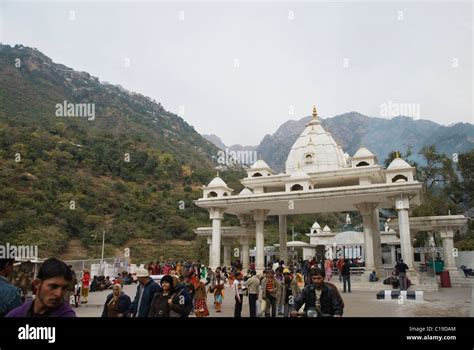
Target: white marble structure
{"x": 319, "y": 178}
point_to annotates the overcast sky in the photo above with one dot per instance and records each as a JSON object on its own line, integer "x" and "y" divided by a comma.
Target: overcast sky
{"x": 242, "y": 69}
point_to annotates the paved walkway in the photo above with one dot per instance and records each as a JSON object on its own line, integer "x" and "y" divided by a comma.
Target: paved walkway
{"x": 448, "y": 302}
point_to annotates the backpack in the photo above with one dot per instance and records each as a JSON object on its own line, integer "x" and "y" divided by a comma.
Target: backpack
{"x": 188, "y": 302}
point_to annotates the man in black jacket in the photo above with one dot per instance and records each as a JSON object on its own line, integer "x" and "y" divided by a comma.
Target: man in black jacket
{"x": 401, "y": 269}
{"x": 346, "y": 275}
{"x": 318, "y": 295}
{"x": 140, "y": 307}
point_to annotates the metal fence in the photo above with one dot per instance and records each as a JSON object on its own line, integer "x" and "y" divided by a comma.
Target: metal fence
{"x": 107, "y": 266}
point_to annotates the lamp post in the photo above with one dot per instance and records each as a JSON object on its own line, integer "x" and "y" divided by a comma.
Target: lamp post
{"x": 101, "y": 269}
{"x": 102, "y": 255}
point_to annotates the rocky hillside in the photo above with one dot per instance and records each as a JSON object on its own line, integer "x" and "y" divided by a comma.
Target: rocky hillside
{"x": 78, "y": 156}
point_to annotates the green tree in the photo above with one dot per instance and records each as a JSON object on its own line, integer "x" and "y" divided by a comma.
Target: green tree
{"x": 466, "y": 169}
{"x": 438, "y": 169}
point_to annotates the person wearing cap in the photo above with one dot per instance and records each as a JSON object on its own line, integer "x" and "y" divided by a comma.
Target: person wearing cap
{"x": 166, "y": 303}
{"x": 253, "y": 287}
{"x": 9, "y": 295}
{"x": 145, "y": 292}
{"x": 290, "y": 291}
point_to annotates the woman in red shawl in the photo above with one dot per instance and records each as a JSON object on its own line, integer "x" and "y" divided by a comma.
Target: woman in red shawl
{"x": 200, "y": 298}
{"x": 85, "y": 286}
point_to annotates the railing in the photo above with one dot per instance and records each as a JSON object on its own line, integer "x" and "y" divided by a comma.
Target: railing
{"x": 357, "y": 270}
{"x": 79, "y": 265}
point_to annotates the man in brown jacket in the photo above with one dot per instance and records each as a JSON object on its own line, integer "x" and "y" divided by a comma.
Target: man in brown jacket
{"x": 270, "y": 287}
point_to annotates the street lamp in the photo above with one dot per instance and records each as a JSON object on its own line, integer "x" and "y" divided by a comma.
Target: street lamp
{"x": 101, "y": 269}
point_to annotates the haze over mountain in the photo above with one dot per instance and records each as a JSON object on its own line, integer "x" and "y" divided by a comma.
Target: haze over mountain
{"x": 380, "y": 135}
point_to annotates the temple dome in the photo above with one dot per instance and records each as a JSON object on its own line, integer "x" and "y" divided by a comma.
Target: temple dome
{"x": 299, "y": 175}
{"x": 217, "y": 182}
{"x": 326, "y": 229}
{"x": 315, "y": 150}
{"x": 398, "y": 163}
{"x": 245, "y": 192}
{"x": 260, "y": 164}
{"x": 363, "y": 152}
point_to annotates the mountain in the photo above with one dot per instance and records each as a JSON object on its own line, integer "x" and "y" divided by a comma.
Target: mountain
{"x": 78, "y": 156}
{"x": 33, "y": 85}
{"x": 216, "y": 141}
{"x": 380, "y": 135}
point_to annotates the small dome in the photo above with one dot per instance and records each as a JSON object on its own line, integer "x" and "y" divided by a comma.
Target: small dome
{"x": 316, "y": 225}
{"x": 260, "y": 164}
{"x": 363, "y": 152}
{"x": 326, "y": 229}
{"x": 217, "y": 182}
{"x": 398, "y": 163}
{"x": 299, "y": 175}
{"x": 245, "y": 192}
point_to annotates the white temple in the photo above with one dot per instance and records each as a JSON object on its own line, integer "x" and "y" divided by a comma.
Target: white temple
{"x": 320, "y": 178}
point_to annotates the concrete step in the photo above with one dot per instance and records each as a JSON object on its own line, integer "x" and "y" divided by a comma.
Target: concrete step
{"x": 429, "y": 286}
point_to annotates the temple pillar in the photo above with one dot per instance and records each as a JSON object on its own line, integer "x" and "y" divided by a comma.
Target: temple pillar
{"x": 402, "y": 204}
{"x": 227, "y": 259}
{"x": 216, "y": 215}
{"x": 377, "y": 244}
{"x": 209, "y": 242}
{"x": 282, "y": 226}
{"x": 259, "y": 217}
{"x": 245, "y": 252}
{"x": 366, "y": 210}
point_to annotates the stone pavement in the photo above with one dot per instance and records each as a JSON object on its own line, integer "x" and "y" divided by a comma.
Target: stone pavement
{"x": 447, "y": 302}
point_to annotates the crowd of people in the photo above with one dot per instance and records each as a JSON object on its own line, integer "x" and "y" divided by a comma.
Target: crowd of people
{"x": 180, "y": 289}
{"x": 279, "y": 290}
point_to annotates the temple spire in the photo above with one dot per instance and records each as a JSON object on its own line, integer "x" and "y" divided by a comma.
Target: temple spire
{"x": 315, "y": 119}
{"x": 315, "y": 112}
